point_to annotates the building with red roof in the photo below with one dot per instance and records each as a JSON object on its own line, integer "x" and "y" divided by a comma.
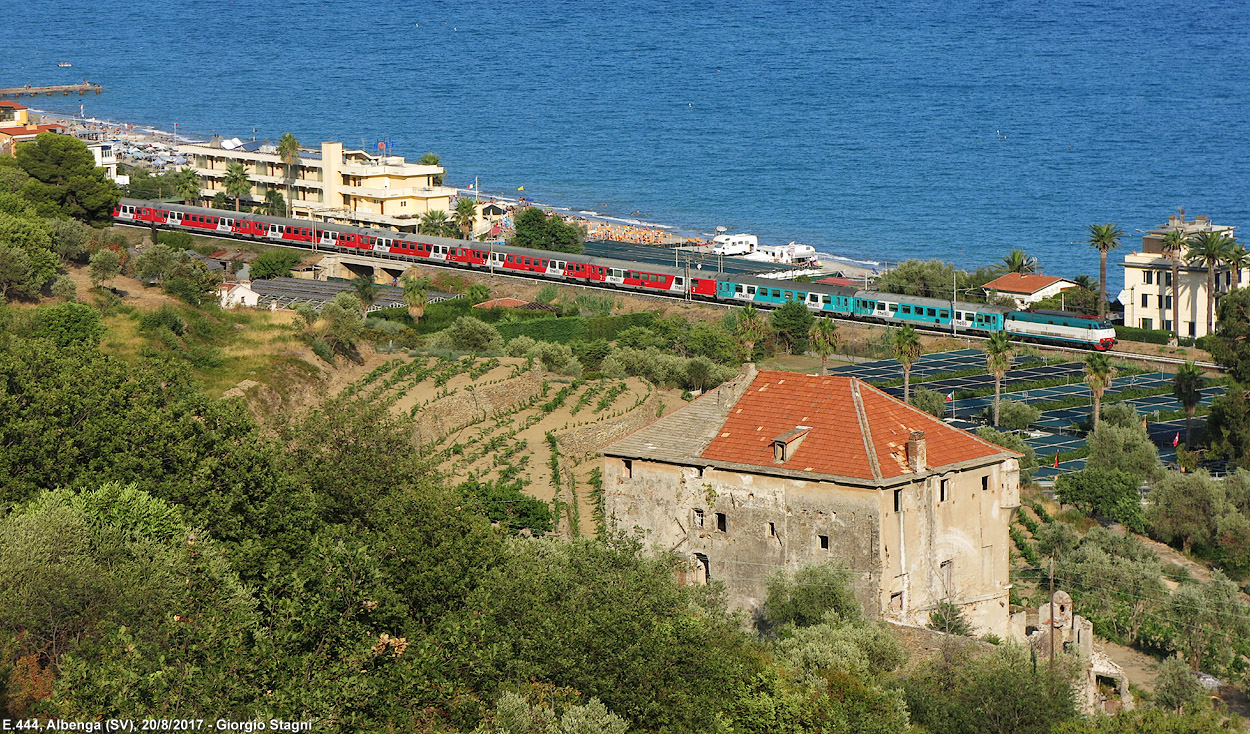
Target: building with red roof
{"x": 11, "y": 136}
{"x": 1027, "y": 289}
{"x": 774, "y": 471}
{"x": 12, "y": 113}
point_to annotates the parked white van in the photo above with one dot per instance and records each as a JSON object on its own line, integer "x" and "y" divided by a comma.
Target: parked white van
{"x": 734, "y": 244}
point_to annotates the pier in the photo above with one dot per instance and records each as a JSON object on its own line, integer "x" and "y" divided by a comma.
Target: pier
{"x": 62, "y": 88}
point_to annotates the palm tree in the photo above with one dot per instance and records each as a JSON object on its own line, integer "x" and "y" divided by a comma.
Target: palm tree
{"x": 1085, "y": 281}
{"x": 1104, "y": 238}
{"x": 1238, "y": 259}
{"x": 288, "y": 153}
{"x": 997, "y": 362}
{"x": 432, "y": 159}
{"x": 366, "y": 291}
{"x": 1187, "y": 387}
{"x": 824, "y": 338}
{"x": 751, "y": 329}
{"x": 187, "y": 184}
{"x": 1019, "y": 261}
{"x": 464, "y": 215}
{"x": 434, "y": 222}
{"x": 1099, "y": 372}
{"x": 274, "y": 204}
{"x": 1173, "y": 244}
{"x": 906, "y": 345}
{"x": 1209, "y": 249}
{"x": 415, "y": 295}
{"x": 237, "y": 183}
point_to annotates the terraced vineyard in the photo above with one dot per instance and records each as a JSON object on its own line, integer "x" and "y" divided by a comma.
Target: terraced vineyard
{"x": 501, "y": 417}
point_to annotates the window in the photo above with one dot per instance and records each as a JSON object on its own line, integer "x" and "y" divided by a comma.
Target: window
{"x": 1193, "y": 330}
{"x": 906, "y": 309}
{"x": 944, "y": 314}
{"x": 824, "y": 542}
{"x": 776, "y": 293}
{"x": 1150, "y": 277}
{"x": 1145, "y": 298}
{"x": 947, "y": 572}
{"x": 896, "y": 601}
{"x": 629, "y": 469}
{"x": 898, "y": 500}
{"x": 1167, "y": 324}
{"x": 985, "y": 482}
{"x": 944, "y": 490}
{"x": 825, "y": 300}
{"x": 722, "y": 522}
{"x": 1167, "y": 301}
{"x": 893, "y": 308}
{"x": 931, "y": 312}
{"x": 738, "y": 288}
{"x": 772, "y": 530}
{"x": 698, "y": 518}
{"x": 1147, "y": 323}
{"x": 1167, "y": 277}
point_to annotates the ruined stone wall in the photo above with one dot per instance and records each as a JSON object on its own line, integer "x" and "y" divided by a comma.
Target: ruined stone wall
{"x": 773, "y": 524}
{"x": 770, "y": 524}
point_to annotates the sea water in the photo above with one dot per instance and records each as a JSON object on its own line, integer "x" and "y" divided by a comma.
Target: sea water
{"x": 878, "y": 131}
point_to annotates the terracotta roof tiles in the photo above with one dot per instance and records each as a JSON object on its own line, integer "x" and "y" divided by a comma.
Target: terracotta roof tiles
{"x": 1025, "y": 284}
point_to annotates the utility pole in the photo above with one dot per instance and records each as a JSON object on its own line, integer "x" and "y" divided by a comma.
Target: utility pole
{"x": 953, "y": 285}
{"x": 1051, "y": 631}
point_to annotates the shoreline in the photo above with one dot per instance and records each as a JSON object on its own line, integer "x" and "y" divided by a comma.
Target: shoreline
{"x": 599, "y": 226}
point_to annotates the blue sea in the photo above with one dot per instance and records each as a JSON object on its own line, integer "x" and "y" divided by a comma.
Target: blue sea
{"x": 874, "y": 130}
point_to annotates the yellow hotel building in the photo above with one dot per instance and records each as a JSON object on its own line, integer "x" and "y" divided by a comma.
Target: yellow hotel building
{"x": 330, "y": 185}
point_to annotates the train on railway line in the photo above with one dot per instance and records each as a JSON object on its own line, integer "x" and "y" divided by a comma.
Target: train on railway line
{"x": 1055, "y": 327}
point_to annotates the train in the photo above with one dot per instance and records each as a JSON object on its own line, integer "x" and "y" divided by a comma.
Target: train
{"x": 1050, "y": 327}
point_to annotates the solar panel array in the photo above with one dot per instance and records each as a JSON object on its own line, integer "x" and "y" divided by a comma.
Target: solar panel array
{"x": 1069, "y": 371}
{"x": 1055, "y": 432}
{"x": 927, "y": 365}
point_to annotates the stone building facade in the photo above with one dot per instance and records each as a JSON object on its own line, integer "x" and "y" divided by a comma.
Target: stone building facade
{"x": 774, "y": 471}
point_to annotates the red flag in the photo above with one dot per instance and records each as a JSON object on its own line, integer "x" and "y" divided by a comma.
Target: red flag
{"x": 950, "y": 396}
{"x": 1056, "y": 460}
{"x": 1176, "y": 439}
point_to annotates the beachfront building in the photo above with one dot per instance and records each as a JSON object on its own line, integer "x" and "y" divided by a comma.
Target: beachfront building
{"x": 332, "y": 184}
{"x": 12, "y": 114}
{"x": 105, "y": 154}
{"x": 1147, "y": 294}
{"x": 774, "y": 471}
{"x": 11, "y": 136}
{"x": 1027, "y": 289}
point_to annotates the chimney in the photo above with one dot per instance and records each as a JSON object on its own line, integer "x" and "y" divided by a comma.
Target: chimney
{"x": 917, "y": 460}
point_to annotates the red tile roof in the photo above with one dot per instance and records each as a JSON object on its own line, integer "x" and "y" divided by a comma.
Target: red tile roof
{"x": 11, "y": 104}
{"x": 21, "y": 130}
{"x": 1025, "y": 284}
{"x": 835, "y": 280}
{"x": 856, "y": 430}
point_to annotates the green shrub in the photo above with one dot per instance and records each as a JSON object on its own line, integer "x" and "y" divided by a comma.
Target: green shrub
{"x": 166, "y": 317}
{"x": 175, "y": 240}
{"x": 470, "y": 335}
{"x": 69, "y": 323}
{"x": 1016, "y": 416}
{"x": 930, "y": 401}
{"x": 322, "y": 349}
{"x": 950, "y": 619}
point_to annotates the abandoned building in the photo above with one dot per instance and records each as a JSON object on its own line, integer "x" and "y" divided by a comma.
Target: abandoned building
{"x": 1102, "y": 686}
{"x": 774, "y": 471}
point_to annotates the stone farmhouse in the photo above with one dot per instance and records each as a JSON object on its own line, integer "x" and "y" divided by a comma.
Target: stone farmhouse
{"x": 774, "y": 471}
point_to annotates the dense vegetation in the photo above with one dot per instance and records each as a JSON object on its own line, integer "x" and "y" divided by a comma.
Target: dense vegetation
{"x": 165, "y": 555}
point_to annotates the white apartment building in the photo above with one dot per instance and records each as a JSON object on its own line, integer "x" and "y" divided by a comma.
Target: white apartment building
{"x": 1147, "y": 294}
{"x": 329, "y": 185}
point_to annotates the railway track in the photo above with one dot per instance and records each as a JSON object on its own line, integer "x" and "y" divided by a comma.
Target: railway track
{"x": 937, "y": 331}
